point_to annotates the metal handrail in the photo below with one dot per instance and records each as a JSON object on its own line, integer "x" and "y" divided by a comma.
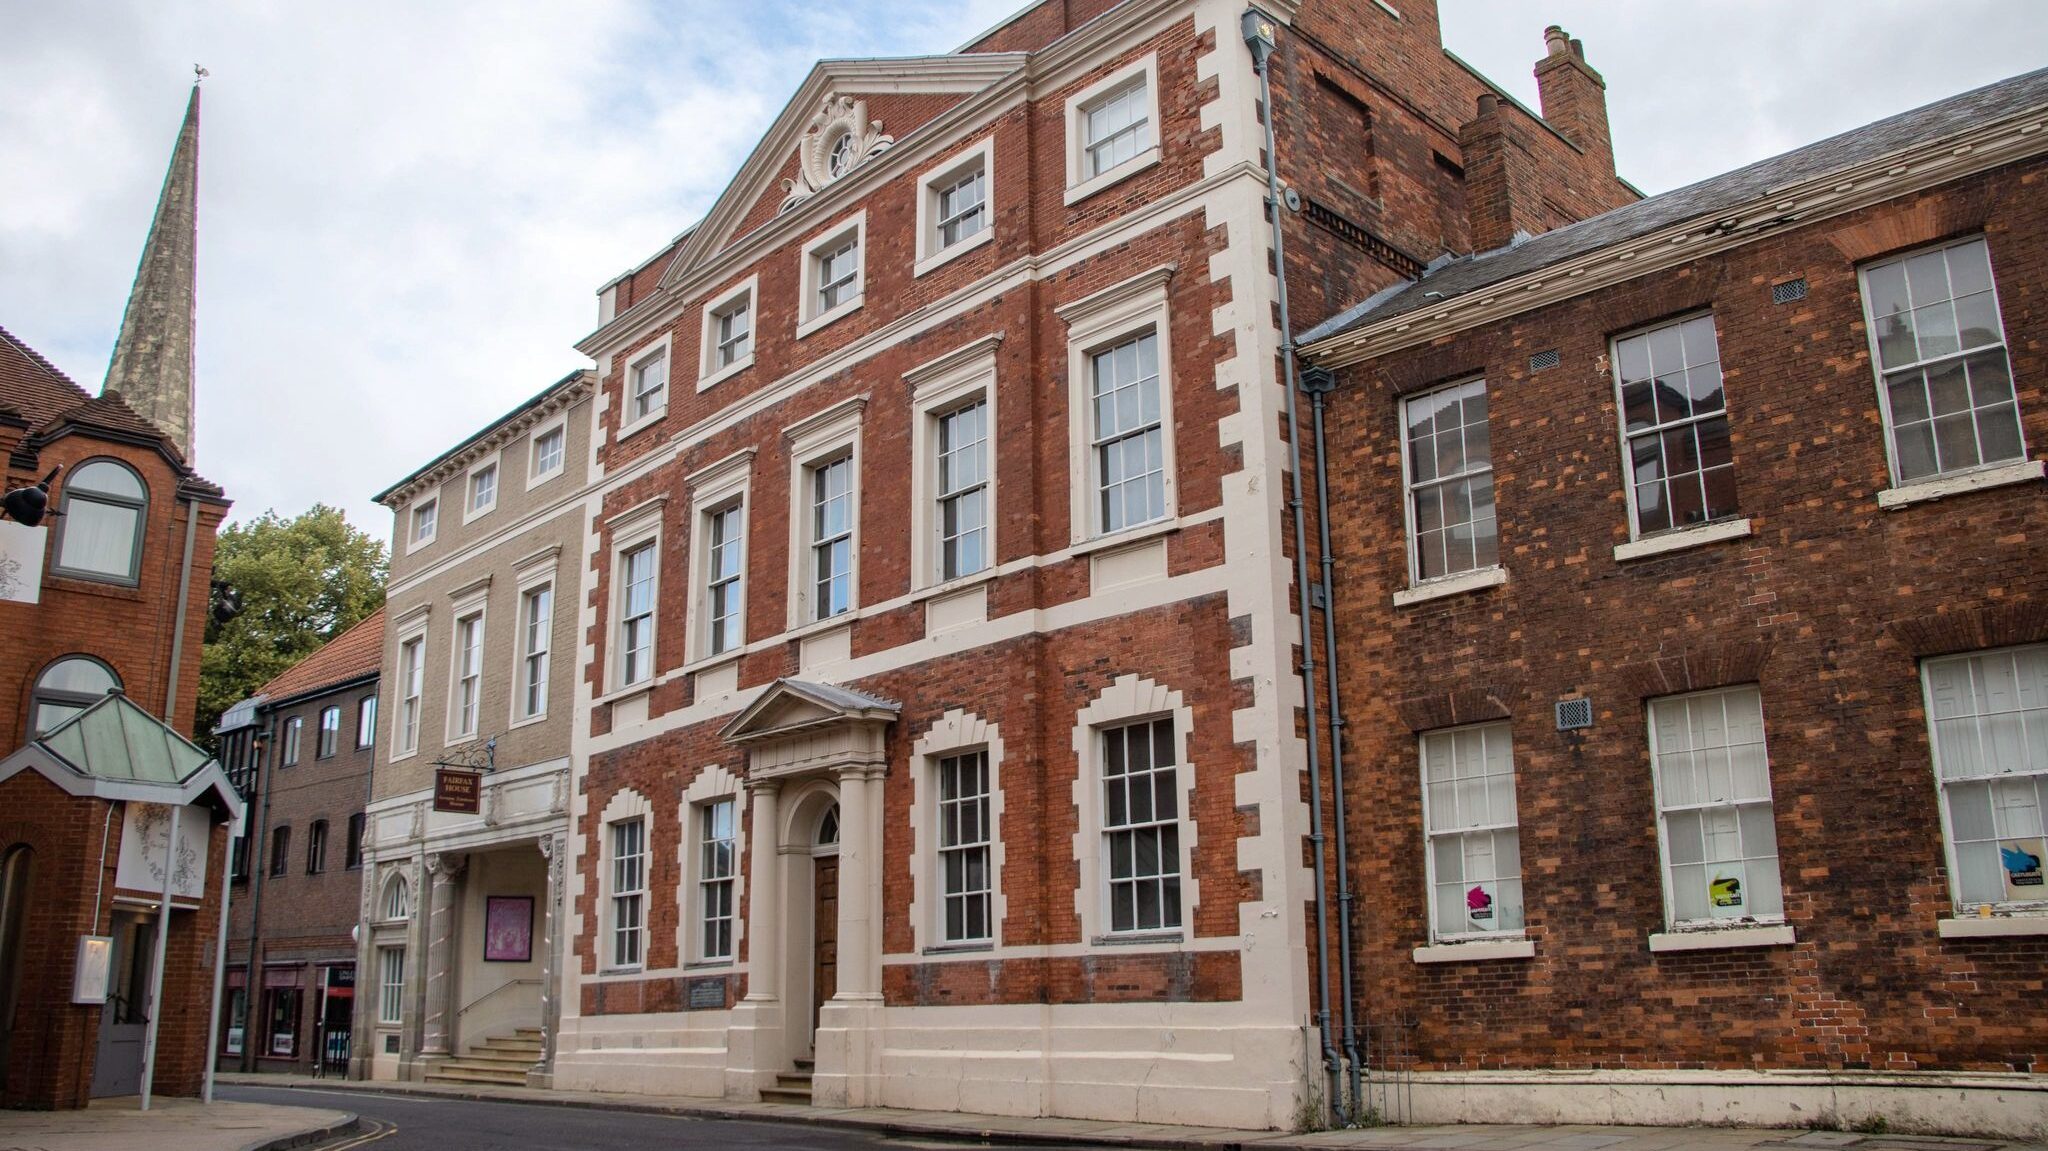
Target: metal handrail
{"x": 464, "y": 1009}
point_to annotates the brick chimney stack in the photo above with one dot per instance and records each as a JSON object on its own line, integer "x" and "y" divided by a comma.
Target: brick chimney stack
{"x": 1574, "y": 96}
{"x": 1500, "y": 196}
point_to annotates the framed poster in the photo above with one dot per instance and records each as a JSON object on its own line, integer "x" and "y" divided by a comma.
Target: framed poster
{"x": 508, "y": 928}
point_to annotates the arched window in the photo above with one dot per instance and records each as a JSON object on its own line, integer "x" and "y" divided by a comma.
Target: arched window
{"x": 68, "y": 687}
{"x": 397, "y": 899}
{"x": 100, "y": 533}
{"x": 828, "y": 827}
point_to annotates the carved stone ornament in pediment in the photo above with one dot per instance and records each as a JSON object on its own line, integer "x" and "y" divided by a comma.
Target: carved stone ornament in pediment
{"x": 839, "y": 138}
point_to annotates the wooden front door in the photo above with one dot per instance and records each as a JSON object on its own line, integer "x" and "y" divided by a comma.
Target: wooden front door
{"x": 825, "y": 931}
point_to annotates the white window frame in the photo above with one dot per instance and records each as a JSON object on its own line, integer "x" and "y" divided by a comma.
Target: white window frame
{"x": 963, "y": 376}
{"x": 1500, "y": 729}
{"x": 625, "y": 807}
{"x": 955, "y": 733}
{"x": 1666, "y": 807}
{"x": 622, "y": 676}
{"x": 811, "y": 316}
{"x": 931, "y": 253}
{"x": 745, "y": 293}
{"x": 525, "y": 650}
{"x": 490, "y": 465}
{"x": 411, "y": 675}
{"x": 2021, "y": 466}
{"x": 814, "y": 442}
{"x": 1097, "y": 322}
{"x": 704, "y": 878}
{"x": 1080, "y": 182}
{"x": 326, "y": 740}
{"x": 1963, "y": 910}
{"x": 289, "y": 745}
{"x": 957, "y": 761}
{"x": 366, "y": 721}
{"x": 534, "y": 475}
{"x": 390, "y": 995}
{"x": 428, "y": 509}
{"x": 726, "y": 484}
{"x": 467, "y": 610}
{"x": 641, "y": 357}
{"x": 1409, "y": 486}
{"x": 1628, "y": 480}
{"x": 1130, "y": 700}
{"x": 713, "y": 783}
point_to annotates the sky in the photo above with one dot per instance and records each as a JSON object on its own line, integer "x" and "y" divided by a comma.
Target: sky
{"x": 406, "y": 208}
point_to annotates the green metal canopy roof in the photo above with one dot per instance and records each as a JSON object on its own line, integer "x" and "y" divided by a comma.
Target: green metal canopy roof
{"x": 116, "y": 740}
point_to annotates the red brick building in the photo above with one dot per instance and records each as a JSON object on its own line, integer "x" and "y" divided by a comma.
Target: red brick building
{"x": 1692, "y": 622}
{"x": 102, "y": 613}
{"x": 300, "y": 751}
{"x": 939, "y": 660}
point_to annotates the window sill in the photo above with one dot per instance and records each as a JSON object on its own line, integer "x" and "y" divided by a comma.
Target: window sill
{"x": 1122, "y": 536}
{"x": 816, "y": 627}
{"x": 1451, "y": 585}
{"x": 95, "y": 585}
{"x": 1116, "y": 175}
{"x": 706, "y": 383}
{"x": 1138, "y": 938}
{"x": 1683, "y": 539}
{"x": 627, "y": 430}
{"x": 1993, "y": 926}
{"x": 471, "y": 516}
{"x": 1992, "y": 477}
{"x": 700, "y": 965}
{"x": 533, "y": 482}
{"x": 714, "y": 662}
{"x": 1721, "y": 938}
{"x": 1476, "y": 951}
{"x": 825, "y": 319}
{"x": 626, "y": 692}
{"x": 943, "y": 256}
{"x": 527, "y": 721}
{"x": 956, "y": 584}
{"x": 943, "y": 949}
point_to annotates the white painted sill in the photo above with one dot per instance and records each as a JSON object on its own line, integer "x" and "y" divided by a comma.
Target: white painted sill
{"x": 956, "y": 584}
{"x": 627, "y": 692}
{"x": 706, "y": 383}
{"x": 823, "y": 319}
{"x": 1724, "y": 938}
{"x": 470, "y": 516}
{"x": 534, "y": 481}
{"x": 1476, "y": 951}
{"x": 1925, "y": 490}
{"x": 1131, "y": 535}
{"x": 1679, "y": 541}
{"x": 527, "y": 721}
{"x": 1451, "y": 585}
{"x": 713, "y": 662}
{"x": 816, "y": 627}
{"x": 1139, "y": 939}
{"x": 1993, "y": 926}
{"x": 1116, "y": 175}
{"x": 947, "y": 255}
{"x": 643, "y": 423}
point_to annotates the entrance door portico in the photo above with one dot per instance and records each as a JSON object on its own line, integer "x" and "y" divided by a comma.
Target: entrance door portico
{"x": 811, "y": 744}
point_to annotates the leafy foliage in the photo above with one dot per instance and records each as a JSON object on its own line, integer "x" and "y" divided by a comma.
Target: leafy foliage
{"x": 301, "y": 582}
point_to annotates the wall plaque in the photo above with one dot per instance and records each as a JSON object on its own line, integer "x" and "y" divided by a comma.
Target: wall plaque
{"x": 458, "y": 791}
{"x": 707, "y": 994}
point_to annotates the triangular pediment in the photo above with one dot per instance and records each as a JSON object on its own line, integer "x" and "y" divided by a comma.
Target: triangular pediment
{"x": 843, "y": 120}
{"x": 791, "y": 707}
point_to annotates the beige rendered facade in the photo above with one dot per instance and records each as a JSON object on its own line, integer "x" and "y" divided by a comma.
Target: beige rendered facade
{"x": 461, "y": 924}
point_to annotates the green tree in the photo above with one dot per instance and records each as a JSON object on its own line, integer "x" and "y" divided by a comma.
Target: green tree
{"x": 300, "y": 582}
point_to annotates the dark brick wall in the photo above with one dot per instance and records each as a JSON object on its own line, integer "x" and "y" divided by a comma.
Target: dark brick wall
{"x": 1827, "y": 607}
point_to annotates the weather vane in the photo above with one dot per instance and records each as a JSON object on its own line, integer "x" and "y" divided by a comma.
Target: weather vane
{"x": 199, "y": 73}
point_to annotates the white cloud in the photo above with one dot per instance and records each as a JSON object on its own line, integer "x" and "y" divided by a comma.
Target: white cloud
{"x": 405, "y": 208}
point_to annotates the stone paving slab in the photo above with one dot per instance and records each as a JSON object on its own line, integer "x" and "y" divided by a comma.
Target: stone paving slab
{"x": 1122, "y": 1133}
{"x": 172, "y": 1125}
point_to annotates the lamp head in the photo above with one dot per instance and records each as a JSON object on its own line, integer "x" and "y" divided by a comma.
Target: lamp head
{"x": 27, "y": 506}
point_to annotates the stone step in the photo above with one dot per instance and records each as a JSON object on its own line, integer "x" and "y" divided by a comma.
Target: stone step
{"x": 499, "y": 1058}
{"x": 500, "y": 1043}
{"x": 794, "y": 1079}
{"x": 460, "y": 1071}
{"x": 780, "y": 1094}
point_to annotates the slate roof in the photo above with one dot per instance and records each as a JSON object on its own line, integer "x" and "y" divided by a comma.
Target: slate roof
{"x": 116, "y": 740}
{"x": 351, "y": 655}
{"x": 1706, "y": 198}
{"x": 852, "y": 699}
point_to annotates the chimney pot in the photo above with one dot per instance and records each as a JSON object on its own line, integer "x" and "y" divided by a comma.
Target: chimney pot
{"x": 1578, "y": 48}
{"x": 1488, "y": 103}
{"x": 1555, "y": 41}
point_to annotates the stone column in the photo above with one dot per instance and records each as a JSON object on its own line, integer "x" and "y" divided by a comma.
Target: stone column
{"x": 849, "y": 1027}
{"x": 857, "y": 861}
{"x": 445, "y": 870}
{"x": 755, "y": 1044}
{"x": 555, "y": 849}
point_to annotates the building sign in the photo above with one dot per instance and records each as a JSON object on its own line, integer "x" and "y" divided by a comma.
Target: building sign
{"x": 94, "y": 969}
{"x": 21, "y": 562}
{"x": 2021, "y": 861}
{"x": 145, "y": 844}
{"x": 707, "y": 994}
{"x": 457, "y": 790}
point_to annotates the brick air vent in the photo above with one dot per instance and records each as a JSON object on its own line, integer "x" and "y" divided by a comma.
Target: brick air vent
{"x": 1788, "y": 291}
{"x": 1356, "y": 234}
{"x": 1544, "y": 359}
{"x": 1573, "y": 714}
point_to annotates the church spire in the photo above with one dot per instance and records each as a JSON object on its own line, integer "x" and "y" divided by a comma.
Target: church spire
{"x": 152, "y": 367}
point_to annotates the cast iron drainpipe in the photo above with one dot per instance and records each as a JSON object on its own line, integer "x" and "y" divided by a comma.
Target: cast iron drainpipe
{"x": 1258, "y": 31}
{"x": 1320, "y": 382}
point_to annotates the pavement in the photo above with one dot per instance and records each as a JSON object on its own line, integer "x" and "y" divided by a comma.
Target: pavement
{"x": 960, "y": 1127}
{"x": 173, "y": 1125}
